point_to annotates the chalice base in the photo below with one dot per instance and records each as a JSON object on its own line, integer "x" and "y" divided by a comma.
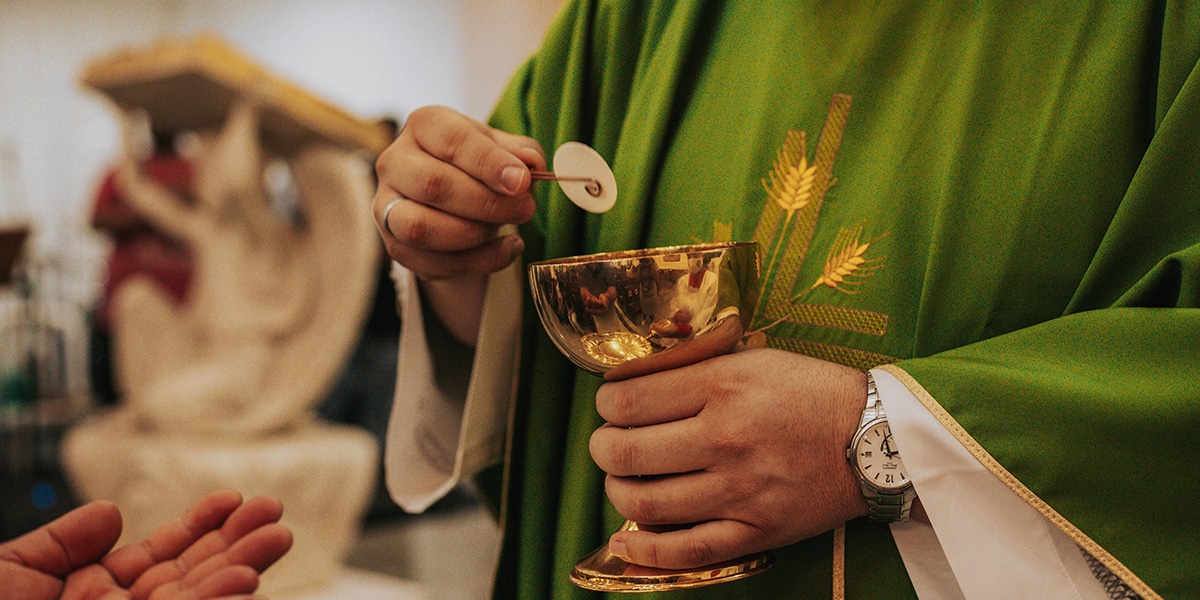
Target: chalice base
{"x": 605, "y": 572}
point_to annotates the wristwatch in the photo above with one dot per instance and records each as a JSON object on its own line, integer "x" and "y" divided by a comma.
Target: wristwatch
{"x": 876, "y": 462}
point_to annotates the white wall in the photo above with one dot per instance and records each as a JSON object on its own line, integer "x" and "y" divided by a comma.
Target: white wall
{"x": 372, "y": 57}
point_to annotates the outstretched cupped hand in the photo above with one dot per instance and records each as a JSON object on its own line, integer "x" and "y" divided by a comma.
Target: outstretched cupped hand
{"x": 217, "y": 549}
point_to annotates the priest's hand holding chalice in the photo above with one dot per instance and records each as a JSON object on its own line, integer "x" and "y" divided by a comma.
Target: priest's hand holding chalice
{"x": 668, "y": 307}
{"x": 629, "y": 313}
{"x": 629, "y": 316}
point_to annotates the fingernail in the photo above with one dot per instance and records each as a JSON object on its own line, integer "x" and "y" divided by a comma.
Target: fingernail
{"x": 512, "y": 178}
{"x": 618, "y": 549}
{"x": 517, "y": 246}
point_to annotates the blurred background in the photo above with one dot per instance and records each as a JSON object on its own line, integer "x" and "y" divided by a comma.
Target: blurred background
{"x": 376, "y": 59}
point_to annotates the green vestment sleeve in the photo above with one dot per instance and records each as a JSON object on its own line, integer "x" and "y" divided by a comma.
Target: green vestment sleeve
{"x": 1088, "y": 415}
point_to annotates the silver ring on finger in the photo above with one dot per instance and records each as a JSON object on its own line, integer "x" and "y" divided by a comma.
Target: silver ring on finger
{"x": 387, "y": 210}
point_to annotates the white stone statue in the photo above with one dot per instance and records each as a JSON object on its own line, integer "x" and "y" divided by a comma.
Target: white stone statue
{"x": 219, "y": 391}
{"x": 274, "y": 306}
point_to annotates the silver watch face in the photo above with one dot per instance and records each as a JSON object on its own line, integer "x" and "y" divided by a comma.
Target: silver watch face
{"x": 877, "y": 459}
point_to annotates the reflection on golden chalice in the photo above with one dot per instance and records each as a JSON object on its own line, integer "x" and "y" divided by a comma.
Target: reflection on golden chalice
{"x": 640, "y": 311}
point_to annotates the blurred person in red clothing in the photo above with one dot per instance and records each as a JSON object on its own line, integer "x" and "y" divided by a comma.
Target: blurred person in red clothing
{"x": 139, "y": 250}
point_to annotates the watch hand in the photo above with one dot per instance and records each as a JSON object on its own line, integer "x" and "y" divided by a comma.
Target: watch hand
{"x": 886, "y": 447}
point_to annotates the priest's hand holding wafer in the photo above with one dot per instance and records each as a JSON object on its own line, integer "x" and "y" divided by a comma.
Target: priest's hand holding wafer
{"x": 447, "y": 185}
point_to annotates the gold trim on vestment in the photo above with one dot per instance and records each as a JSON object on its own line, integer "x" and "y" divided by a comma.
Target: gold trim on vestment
{"x": 836, "y": 317}
{"x": 850, "y": 357}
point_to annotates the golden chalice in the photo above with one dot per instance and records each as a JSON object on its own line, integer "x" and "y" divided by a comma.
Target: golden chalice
{"x": 641, "y": 311}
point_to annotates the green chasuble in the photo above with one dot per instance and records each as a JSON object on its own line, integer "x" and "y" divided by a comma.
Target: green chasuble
{"x": 1018, "y": 185}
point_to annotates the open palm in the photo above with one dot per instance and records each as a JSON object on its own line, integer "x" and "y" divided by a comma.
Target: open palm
{"x": 216, "y": 549}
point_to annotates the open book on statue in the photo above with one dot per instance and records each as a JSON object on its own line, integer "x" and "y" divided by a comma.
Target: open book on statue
{"x": 189, "y": 85}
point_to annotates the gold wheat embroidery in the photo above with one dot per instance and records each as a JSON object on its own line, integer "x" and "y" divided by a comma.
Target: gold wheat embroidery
{"x": 722, "y": 233}
{"x": 846, "y": 264}
{"x": 792, "y": 178}
{"x": 796, "y": 191}
{"x": 790, "y": 183}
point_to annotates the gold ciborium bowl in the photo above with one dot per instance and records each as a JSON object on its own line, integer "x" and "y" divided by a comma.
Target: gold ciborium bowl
{"x": 640, "y": 311}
